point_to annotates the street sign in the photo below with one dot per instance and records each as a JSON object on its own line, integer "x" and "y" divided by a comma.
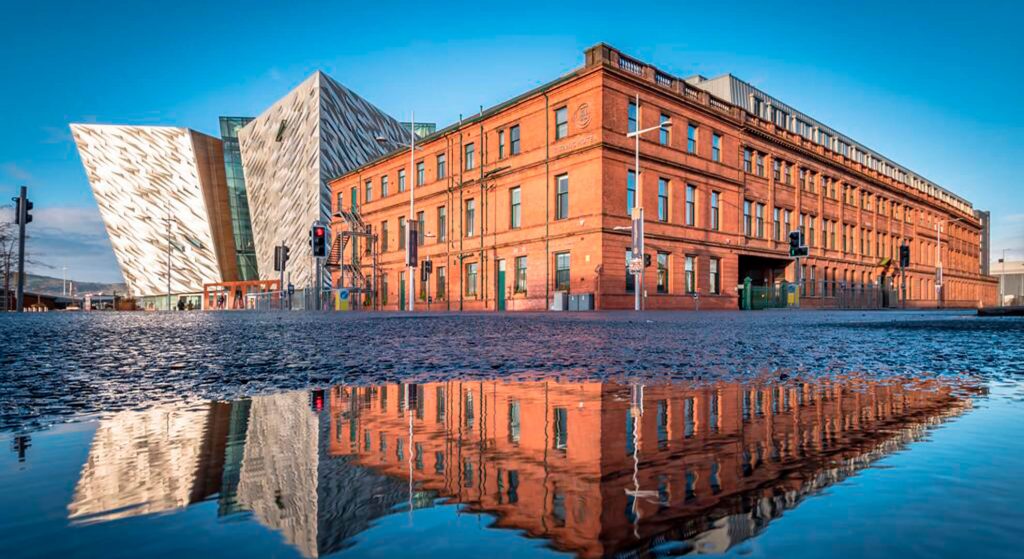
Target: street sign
{"x": 343, "y": 294}
{"x": 636, "y": 265}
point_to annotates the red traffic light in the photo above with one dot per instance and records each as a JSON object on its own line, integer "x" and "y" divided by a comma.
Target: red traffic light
{"x": 318, "y": 231}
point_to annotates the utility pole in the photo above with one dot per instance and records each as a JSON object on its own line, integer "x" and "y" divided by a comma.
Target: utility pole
{"x": 23, "y": 218}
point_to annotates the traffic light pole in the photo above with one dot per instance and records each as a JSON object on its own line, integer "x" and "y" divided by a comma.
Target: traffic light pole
{"x": 22, "y": 218}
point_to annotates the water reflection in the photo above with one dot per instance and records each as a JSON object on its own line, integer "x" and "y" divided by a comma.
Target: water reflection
{"x": 594, "y": 468}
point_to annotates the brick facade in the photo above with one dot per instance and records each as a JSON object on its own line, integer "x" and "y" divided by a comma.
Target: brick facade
{"x": 585, "y": 146}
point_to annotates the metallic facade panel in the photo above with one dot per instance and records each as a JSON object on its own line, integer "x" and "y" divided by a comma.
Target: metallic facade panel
{"x": 161, "y": 191}
{"x": 318, "y": 131}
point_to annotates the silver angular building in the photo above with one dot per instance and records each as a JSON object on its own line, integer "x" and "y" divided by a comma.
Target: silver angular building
{"x": 318, "y": 131}
{"x": 163, "y": 196}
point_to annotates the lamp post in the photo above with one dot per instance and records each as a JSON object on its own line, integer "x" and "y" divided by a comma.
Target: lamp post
{"x": 409, "y": 248}
{"x": 638, "y": 209}
{"x": 938, "y": 259}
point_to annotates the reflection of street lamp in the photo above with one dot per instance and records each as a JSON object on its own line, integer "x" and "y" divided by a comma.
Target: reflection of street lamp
{"x": 638, "y": 210}
{"x": 938, "y": 259}
{"x": 637, "y": 412}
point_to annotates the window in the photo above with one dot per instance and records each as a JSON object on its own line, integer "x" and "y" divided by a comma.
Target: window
{"x": 401, "y": 180}
{"x": 803, "y": 228}
{"x": 662, "y": 272}
{"x": 442, "y": 167}
{"x": 716, "y": 147}
{"x": 760, "y": 220}
{"x": 561, "y": 429}
{"x": 632, "y": 117}
{"x": 501, "y": 144}
{"x": 777, "y": 170}
{"x": 747, "y": 156}
{"x": 515, "y": 214}
{"x": 714, "y": 210}
{"x": 470, "y": 152}
{"x": 787, "y": 173}
{"x": 513, "y": 136}
{"x": 384, "y": 289}
{"x": 691, "y": 204}
{"x": 662, "y": 199}
{"x": 442, "y": 224}
{"x": 384, "y": 186}
{"x": 471, "y": 279}
{"x": 746, "y": 217}
{"x": 513, "y": 424}
{"x": 688, "y": 277}
{"x": 421, "y": 228}
{"x": 368, "y": 195}
{"x": 777, "y": 224}
{"x": 421, "y": 173}
{"x": 691, "y": 138}
{"x": 562, "y": 197}
{"x": 663, "y": 137}
{"x": 562, "y": 271}
{"x": 339, "y": 202}
{"x": 470, "y": 217}
{"x": 760, "y": 165}
{"x": 355, "y": 200}
{"x": 520, "y": 285}
{"x": 561, "y": 123}
{"x": 810, "y": 226}
{"x": 442, "y": 283}
{"x": 384, "y": 236}
{"x": 803, "y": 179}
{"x": 630, "y": 277}
{"x": 713, "y": 276}
{"x": 630, "y": 191}
{"x": 401, "y": 232}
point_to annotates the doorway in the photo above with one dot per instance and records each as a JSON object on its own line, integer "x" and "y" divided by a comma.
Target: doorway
{"x": 501, "y": 285}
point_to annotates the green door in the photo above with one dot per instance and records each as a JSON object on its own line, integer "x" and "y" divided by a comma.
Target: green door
{"x": 401, "y": 292}
{"x": 501, "y": 285}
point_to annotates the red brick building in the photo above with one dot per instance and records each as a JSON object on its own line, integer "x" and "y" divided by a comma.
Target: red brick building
{"x": 534, "y": 196}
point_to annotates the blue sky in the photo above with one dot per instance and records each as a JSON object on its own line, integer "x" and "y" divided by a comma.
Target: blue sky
{"x": 936, "y": 87}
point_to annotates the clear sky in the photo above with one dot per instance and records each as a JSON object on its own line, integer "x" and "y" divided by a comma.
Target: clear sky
{"x": 935, "y": 86}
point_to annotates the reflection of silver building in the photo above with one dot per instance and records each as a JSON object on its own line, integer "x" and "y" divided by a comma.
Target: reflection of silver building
{"x": 163, "y": 196}
{"x": 318, "y": 131}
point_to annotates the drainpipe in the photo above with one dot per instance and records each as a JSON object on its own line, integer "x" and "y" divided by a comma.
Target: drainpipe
{"x": 483, "y": 206}
{"x": 547, "y": 202}
{"x": 462, "y": 225}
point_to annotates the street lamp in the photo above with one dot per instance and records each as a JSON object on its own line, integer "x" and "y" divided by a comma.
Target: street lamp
{"x": 411, "y": 274}
{"x": 637, "y": 263}
{"x": 938, "y": 259}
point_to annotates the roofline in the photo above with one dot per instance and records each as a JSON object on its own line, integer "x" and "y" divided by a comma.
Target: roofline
{"x": 457, "y": 125}
{"x": 859, "y": 144}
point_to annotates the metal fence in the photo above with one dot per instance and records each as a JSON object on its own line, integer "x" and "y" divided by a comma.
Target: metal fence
{"x": 839, "y": 295}
{"x": 823, "y": 294}
{"x": 302, "y": 300}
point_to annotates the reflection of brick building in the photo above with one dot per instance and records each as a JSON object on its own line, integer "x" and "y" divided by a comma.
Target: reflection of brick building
{"x": 535, "y": 195}
{"x": 601, "y": 468}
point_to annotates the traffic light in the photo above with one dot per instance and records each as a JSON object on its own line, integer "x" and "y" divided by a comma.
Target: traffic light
{"x": 796, "y": 244}
{"x": 18, "y": 211}
{"x": 318, "y": 236}
{"x": 904, "y": 256}
{"x": 647, "y": 261}
{"x": 280, "y": 258}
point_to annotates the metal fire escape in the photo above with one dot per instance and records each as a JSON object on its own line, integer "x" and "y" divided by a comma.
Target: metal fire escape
{"x": 362, "y": 289}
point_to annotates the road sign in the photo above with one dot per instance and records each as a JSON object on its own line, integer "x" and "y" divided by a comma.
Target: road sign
{"x": 343, "y": 294}
{"x": 636, "y": 265}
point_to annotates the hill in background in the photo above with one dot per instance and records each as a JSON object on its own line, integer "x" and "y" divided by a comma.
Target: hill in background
{"x": 46, "y": 285}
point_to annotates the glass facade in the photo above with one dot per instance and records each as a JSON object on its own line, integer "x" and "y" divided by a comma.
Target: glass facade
{"x": 241, "y": 226}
